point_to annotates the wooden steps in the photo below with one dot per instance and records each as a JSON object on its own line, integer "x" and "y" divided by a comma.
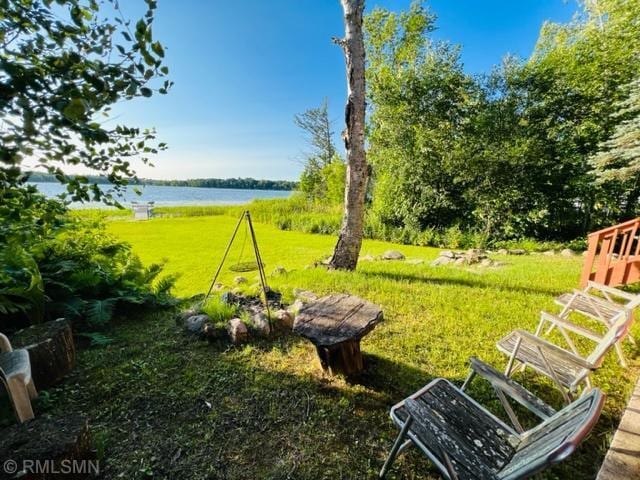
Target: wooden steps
{"x": 623, "y": 458}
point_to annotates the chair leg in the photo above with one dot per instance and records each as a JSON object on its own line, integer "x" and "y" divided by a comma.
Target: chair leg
{"x": 21, "y": 402}
{"x": 621, "y": 359}
{"x": 31, "y": 388}
{"x": 397, "y": 446}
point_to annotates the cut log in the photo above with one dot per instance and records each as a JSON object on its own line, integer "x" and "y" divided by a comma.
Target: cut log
{"x": 44, "y": 446}
{"x": 51, "y": 351}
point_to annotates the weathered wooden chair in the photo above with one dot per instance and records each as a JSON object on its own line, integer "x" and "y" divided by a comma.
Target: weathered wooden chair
{"x": 15, "y": 373}
{"x": 567, "y": 368}
{"x": 602, "y": 303}
{"x": 466, "y": 441}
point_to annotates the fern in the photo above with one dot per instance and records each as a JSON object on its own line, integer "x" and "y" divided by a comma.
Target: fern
{"x": 152, "y": 271}
{"x": 164, "y": 286}
{"x": 100, "y": 312}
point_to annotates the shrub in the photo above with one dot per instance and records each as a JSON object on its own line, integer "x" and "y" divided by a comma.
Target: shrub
{"x": 81, "y": 273}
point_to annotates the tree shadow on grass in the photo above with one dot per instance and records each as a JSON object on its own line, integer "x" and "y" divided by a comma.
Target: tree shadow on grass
{"x": 169, "y": 405}
{"x": 399, "y": 277}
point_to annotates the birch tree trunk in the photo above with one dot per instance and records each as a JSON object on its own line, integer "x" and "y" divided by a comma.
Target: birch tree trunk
{"x": 347, "y": 250}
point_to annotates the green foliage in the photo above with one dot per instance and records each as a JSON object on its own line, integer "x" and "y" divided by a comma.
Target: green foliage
{"x": 63, "y": 65}
{"x": 21, "y": 284}
{"x": 218, "y": 310}
{"x": 505, "y": 155}
{"x": 324, "y": 171}
{"x": 617, "y": 163}
{"x": 81, "y": 273}
{"x": 420, "y": 97}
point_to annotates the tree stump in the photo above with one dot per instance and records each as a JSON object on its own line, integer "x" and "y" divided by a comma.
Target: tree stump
{"x": 335, "y": 325}
{"x": 44, "y": 446}
{"x": 51, "y": 351}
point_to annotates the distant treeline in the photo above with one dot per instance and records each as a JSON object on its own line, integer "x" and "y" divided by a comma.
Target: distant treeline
{"x": 240, "y": 183}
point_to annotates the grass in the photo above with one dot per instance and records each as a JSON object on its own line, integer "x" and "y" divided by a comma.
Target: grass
{"x": 273, "y": 413}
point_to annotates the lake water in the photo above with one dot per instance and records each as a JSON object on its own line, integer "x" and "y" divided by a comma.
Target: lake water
{"x": 174, "y": 196}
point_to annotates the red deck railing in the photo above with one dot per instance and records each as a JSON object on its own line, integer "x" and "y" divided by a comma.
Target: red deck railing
{"x": 613, "y": 255}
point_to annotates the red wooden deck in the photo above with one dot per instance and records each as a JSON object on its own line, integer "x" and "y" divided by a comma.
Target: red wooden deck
{"x": 613, "y": 255}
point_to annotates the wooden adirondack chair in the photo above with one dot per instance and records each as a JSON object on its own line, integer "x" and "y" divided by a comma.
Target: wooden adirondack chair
{"x": 567, "y": 368}
{"x": 466, "y": 441}
{"x": 15, "y": 373}
{"x": 602, "y": 303}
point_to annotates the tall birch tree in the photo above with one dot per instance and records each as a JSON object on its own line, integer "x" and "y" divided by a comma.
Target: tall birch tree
{"x": 347, "y": 249}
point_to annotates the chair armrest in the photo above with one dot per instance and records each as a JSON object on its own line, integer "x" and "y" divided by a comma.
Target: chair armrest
{"x": 512, "y": 388}
{"x": 572, "y": 327}
{"x": 616, "y": 292}
{"x": 560, "y": 352}
{"x": 5, "y": 344}
{"x": 601, "y": 301}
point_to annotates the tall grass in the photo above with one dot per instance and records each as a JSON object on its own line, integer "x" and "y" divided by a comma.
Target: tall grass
{"x": 302, "y": 215}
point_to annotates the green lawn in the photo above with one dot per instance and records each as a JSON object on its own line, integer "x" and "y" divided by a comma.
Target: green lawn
{"x": 273, "y": 413}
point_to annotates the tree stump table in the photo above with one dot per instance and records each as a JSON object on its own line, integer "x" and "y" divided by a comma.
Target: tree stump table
{"x": 335, "y": 324}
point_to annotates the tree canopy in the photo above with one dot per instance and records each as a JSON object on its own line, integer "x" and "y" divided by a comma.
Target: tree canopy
{"x": 63, "y": 65}
{"x": 506, "y": 154}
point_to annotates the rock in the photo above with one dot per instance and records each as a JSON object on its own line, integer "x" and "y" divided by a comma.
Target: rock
{"x": 447, "y": 254}
{"x": 181, "y": 317}
{"x": 367, "y": 258}
{"x": 392, "y": 255}
{"x": 517, "y": 251}
{"x": 487, "y": 262}
{"x": 212, "y": 332}
{"x": 460, "y": 261}
{"x": 217, "y": 287}
{"x": 441, "y": 261}
{"x": 285, "y": 318}
{"x": 499, "y": 264}
{"x": 195, "y": 324}
{"x": 240, "y": 280}
{"x": 474, "y": 256}
{"x": 260, "y": 325}
{"x": 584, "y": 254}
{"x": 304, "y": 295}
{"x": 295, "y": 307}
{"x": 567, "y": 252}
{"x": 237, "y": 331}
{"x": 279, "y": 271}
{"x": 503, "y": 251}
{"x": 549, "y": 253}
{"x": 415, "y": 261}
{"x": 228, "y": 298}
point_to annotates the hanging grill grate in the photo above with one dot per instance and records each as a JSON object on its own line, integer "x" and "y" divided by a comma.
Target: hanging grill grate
{"x": 242, "y": 267}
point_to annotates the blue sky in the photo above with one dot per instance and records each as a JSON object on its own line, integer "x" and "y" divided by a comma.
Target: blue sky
{"x": 242, "y": 73}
